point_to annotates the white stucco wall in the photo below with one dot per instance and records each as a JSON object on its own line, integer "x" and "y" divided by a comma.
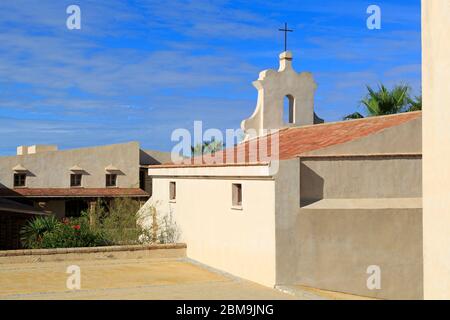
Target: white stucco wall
{"x": 330, "y": 244}
{"x": 436, "y": 147}
{"x": 240, "y": 242}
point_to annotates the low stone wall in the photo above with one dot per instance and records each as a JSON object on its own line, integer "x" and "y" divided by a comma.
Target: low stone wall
{"x": 157, "y": 251}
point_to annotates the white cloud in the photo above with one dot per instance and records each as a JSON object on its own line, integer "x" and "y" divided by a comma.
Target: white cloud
{"x": 157, "y": 65}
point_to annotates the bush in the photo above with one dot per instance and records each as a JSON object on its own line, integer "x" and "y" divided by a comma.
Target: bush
{"x": 74, "y": 233}
{"x": 123, "y": 222}
{"x": 157, "y": 227}
{"x": 48, "y": 232}
{"x": 119, "y": 223}
{"x": 33, "y": 232}
{"x": 126, "y": 223}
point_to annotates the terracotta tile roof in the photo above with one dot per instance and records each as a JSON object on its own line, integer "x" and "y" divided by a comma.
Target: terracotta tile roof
{"x": 296, "y": 141}
{"x": 72, "y": 192}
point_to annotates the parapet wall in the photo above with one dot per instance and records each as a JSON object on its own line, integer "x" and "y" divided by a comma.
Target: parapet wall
{"x": 338, "y": 249}
{"x": 157, "y": 251}
{"x": 338, "y": 216}
{"x": 362, "y": 176}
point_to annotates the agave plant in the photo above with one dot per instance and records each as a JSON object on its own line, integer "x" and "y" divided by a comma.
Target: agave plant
{"x": 33, "y": 232}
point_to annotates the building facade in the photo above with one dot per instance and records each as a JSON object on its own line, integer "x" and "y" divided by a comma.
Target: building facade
{"x": 337, "y": 201}
{"x": 436, "y": 119}
{"x": 67, "y": 182}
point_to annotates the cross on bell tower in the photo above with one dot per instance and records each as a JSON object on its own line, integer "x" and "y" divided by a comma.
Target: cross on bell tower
{"x": 285, "y": 30}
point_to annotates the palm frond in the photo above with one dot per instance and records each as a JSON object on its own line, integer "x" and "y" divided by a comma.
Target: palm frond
{"x": 384, "y": 101}
{"x": 354, "y": 115}
{"x": 415, "y": 104}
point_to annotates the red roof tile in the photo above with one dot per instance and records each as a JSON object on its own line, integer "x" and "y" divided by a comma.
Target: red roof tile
{"x": 72, "y": 192}
{"x": 298, "y": 140}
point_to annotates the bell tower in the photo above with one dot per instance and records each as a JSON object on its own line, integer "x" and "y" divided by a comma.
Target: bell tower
{"x": 276, "y": 86}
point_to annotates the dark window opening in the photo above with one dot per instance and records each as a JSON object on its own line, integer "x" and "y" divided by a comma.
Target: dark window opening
{"x": 172, "y": 191}
{"x": 145, "y": 181}
{"x": 142, "y": 177}
{"x": 75, "y": 180}
{"x": 20, "y": 179}
{"x": 237, "y": 194}
{"x": 288, "y": 109}
{"x": 111, "y": 180}
{"x": 75, "y": 207}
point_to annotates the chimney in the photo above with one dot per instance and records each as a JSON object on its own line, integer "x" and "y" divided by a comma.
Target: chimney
{"x": 37, "y": 148}
{"x": 22, "y": 150}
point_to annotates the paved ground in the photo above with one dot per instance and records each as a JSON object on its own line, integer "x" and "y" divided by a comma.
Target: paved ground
{"x": 130, "y": 279}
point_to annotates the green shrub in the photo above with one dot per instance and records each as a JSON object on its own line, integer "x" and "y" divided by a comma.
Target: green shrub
{"x": 48, "y": 232}
{"x": 122, "y": 222}
{"x": 119, "y": 224}
{"x": 33, "y": 232}
{"x": 73, "y": 233}
{"x": 126, "y": 223}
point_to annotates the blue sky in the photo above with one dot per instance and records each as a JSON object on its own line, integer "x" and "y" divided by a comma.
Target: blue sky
{"x": 139, "y": 69}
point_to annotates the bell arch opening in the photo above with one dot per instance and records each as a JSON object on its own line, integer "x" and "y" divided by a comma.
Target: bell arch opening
{"x": 288, "y": 109}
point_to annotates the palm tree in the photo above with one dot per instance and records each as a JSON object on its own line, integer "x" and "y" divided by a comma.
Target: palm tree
{"x": 199, "y": 148}
{"x": 384, "y": 101}
{"x": 206, "y": 147}
{"x": 415, "y": 104}
{"x": 354, "y": 115}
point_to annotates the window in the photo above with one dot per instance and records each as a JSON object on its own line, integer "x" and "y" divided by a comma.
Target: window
{"x": 111, "y": 180}
{"x": 75, "y": 180}
{"x": 19, "y": 179}
{"x": 74, "y": 208}
{"x": 288, "y": 109}
{"x": 172, "y": 191}
{"x": 237, "y": 195}
{"x": 142, "y": 174}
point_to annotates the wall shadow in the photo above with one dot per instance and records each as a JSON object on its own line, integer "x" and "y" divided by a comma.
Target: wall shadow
{"x": 311, "y": 186}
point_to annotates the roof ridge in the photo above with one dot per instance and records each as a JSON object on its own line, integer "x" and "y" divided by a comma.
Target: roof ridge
{"x": 303, "y": 139}
{"x": 265, "y": 135}
{"x": 355, "y": 120}
{"x": 315, "y": 125}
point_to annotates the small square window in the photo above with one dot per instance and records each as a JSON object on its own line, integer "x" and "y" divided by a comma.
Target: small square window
{"x": 75, "y": 180}
{"x": 111, "y": 180}
{"x": 20, "y": 179}
{"x": 172, "y": 191}
{"x": 237, "y": 195}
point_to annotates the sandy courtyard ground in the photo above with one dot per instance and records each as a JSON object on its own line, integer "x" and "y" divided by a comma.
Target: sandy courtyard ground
{"x": 128, "y": 279}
